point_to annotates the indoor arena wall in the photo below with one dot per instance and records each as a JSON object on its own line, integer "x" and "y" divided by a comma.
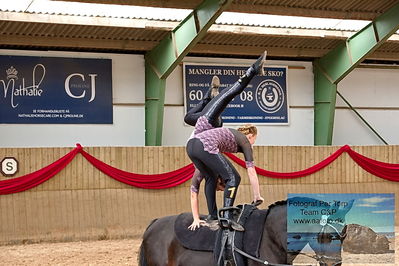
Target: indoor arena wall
{"x": 82, "y": 203}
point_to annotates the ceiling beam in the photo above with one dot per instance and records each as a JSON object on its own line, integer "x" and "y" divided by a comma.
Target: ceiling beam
{"x": 254, "y": 51}
{"x": 171, "y": 50}
{"x": 340, "y": 61}
{"x": 59, "y": 20}
{"x": 18, "y": 29}
{"x": 102, "y": 44}
{"x": 263, "y": 7}
{"x": 330, "y": 69}
{"x": 149, "y": 3}
{"x": 137, "y": 23}
{"x": 299, "y": 11}
{"x": 80, "y": 43}
{"x": 162, "y": 60}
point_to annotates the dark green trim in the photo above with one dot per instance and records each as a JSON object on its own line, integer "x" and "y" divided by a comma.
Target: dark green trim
{"x": 172, "y": 49}
{"x": 163, "y": 59}
{"x": 154, "y": 107}
{"x": 324, "y": 107}
{"x": 343, "y": 59}
{"x": 339, "y": 62}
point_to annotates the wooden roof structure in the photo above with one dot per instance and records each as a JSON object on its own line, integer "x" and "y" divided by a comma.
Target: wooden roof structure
{"x": 54, "y": 31}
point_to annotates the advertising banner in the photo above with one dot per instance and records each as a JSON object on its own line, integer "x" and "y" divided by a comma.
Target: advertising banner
{"x": 264, "y": 101}
{"x": 354, "y": 227}
{"x": 55, "y": 90}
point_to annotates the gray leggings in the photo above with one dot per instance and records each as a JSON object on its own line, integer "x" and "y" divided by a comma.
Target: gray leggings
{"x": 212, "y": 166}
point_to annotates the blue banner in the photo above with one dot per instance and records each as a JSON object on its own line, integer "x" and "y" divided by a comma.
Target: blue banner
{"x": 264, "y": 101}
{"x": 55, "y": 90}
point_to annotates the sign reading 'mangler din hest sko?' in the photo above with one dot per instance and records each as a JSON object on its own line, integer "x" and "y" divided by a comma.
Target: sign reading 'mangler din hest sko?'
{"x": 55, "y": 90}
{"x": 263, "y": 101}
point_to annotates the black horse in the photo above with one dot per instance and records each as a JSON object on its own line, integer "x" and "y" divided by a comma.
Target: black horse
{"x": 161, "y": 247}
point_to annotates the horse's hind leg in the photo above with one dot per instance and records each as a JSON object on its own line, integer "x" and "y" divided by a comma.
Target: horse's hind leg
{"x": 142, "y": 260}
{"x": 161, "y": 248}
{"x": 156, "y": 242}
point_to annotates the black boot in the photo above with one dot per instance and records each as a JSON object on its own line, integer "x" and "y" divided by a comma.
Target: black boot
{"x": 259, "y": 64}
{"x": 211, "y": 218}
{"x": 213, "y": 90}
{"x": 229, "y": 216}
{"x": 255, "y": 69}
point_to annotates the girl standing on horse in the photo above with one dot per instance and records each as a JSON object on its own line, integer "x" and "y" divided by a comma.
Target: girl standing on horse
{"x": 209, "y": 140}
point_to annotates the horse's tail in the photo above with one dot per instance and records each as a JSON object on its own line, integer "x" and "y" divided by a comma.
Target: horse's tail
{"x": 142, "y": 258}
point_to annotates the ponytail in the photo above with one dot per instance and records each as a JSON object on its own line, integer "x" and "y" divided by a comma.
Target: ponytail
{"x": 248, "y": 129}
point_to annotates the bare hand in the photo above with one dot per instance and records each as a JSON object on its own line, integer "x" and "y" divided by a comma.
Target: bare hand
{"x": 258, "y": 200}
{"x": 196, "y": 224}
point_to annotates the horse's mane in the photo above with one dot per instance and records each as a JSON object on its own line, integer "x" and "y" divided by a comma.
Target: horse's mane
{"x": 277, "y": 203}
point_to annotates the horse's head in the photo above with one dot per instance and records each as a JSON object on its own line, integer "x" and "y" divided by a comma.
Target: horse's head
{"x": 328, "y": 244}
{"x": 321, "y": 225}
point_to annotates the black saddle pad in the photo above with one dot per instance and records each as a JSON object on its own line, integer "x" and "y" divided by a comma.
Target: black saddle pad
{"x": 203, "y": 239}
{"x": 254, "y": 231}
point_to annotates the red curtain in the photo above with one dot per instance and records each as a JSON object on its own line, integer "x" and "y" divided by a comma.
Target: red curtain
{"x": 157, "y": 181}
{"x": 387, "y": 171}
{"x": 296, "y": 174}
{"x": 166, "y": 180}
{"x": 34, "y": 179}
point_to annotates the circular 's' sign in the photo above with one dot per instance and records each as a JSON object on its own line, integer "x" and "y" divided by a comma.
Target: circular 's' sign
{"x": 9, "y": 166}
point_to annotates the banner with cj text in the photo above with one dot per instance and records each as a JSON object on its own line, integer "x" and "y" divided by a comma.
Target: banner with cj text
{"x": 55, "y": 90}
{"x": 264, "y": 101}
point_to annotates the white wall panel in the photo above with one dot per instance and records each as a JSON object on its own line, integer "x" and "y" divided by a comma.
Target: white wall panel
{"x": 366, "y": 87}
{"x": 127, "y": 130}
{"x": 128, "y": 79}
{"x": 349, "y": 129}
{"x": 174, "y": 87}
{"x": 376, "y": 91}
